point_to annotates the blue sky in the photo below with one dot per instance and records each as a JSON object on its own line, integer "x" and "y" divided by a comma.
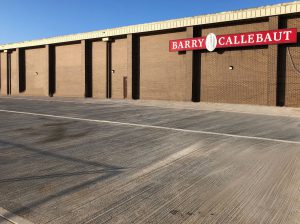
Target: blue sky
{"x": 32, "y": 19}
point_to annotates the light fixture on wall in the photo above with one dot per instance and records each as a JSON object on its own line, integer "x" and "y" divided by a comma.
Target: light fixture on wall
{"x": 231, "y": 67}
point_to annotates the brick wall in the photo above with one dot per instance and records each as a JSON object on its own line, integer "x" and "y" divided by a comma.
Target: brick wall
{"x": 258, "y": 77}
{"x": 163, "y": 74}
{"x": 99, "y": 69}
{"x": 247, "y": 83}
{"x": 69, "y": 77}
{"x": 3, "y": 71}
{"x": 292, "y": 82}
{"x": 36, "y": 72}
{"x": 119, "y": 65}
{"x": 14, "y": 73}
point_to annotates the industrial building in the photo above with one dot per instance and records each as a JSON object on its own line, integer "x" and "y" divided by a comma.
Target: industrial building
{"x": 252, "y": 58}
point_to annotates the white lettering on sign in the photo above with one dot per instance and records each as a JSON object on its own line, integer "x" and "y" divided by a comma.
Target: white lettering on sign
{"x": 268, "y": 38}
{"x": 236, "y": 40}
{"x": 222, "y": 41}
{"x": 287, "y": 33}
{"x": 229, "y": 41}
{"x": 259, "y": 38}
{"x": 182, "y": 45}
{"x": 187, "y": 44}
{"x": 244, "y": 41}
{"x": 277, "y": 37}
{"x": 194, "y": 43}
{"x": 175, "y": 46}
{"x": 200, "y": 41}
{"x": 251, "y": 38}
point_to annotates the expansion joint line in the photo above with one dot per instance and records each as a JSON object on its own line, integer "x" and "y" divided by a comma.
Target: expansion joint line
{"x": 152, "y": 127}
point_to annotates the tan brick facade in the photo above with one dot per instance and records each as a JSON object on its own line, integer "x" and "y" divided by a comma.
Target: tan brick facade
{"x": 14, "y": 73}
{"x": 69, "y": 78}
{"x": 292, "y": 90}
{"x": 119, "y": 68}
{"x": 3, "y": 70}
{"x": 36, "y": 72}
{"x": 99, "y": 69}
{"x": 247, "y": 83}
{"x": 140, "y": 66}
{"x": 163, "y": 75}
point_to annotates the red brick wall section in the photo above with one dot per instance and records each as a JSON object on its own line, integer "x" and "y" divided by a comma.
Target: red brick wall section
{"x": 247, "y": 83}
{"x": 70, "y": 80}
{"x": 36, "y": 70}
{"x": 99, "y": 69}
{"x": 292, "y": 90}
{"x": 163, "y": 75}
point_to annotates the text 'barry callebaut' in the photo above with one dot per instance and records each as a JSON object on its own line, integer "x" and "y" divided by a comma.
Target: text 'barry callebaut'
{"x": 211, "y": 41}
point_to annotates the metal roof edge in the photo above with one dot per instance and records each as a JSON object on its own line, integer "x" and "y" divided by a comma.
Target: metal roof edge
{"x": 251, "y": 13}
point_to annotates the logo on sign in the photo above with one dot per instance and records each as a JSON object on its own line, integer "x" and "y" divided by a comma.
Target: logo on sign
{"x": 211, "y": 42}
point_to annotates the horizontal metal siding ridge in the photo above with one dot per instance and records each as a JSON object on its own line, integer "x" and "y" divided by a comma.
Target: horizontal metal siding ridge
{"x": 285, "y": 8}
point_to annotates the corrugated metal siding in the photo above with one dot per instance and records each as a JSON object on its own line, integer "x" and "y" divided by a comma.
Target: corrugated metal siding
{"x": 286, "y": 8}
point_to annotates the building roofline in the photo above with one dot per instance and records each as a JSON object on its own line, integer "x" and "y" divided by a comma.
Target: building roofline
{"x": 251, "y": 13}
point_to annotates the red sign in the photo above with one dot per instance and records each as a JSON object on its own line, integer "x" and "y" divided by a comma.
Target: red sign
{"x": 212, "y": 41}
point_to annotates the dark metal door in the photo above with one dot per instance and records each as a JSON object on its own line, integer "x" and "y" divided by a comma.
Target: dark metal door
{"x": 125, "y": 87}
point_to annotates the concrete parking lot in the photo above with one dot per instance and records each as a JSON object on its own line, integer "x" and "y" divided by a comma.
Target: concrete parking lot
{"x": 85, "y": 161}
